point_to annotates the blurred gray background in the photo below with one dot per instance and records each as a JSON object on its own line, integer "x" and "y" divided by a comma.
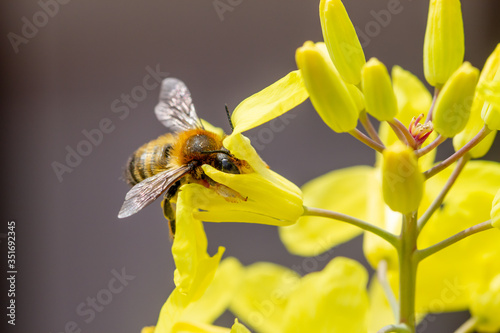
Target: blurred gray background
{"x": 70, "y": 73}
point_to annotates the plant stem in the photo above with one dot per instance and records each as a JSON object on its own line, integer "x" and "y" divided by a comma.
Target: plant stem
{"x": 392, "y": 239}
{"x": 408, "y": 271}
{"x": 424, "y": 253}
{"x": 459, "y": 153}
{"x": 468, "y": 326}
{"x": 422, "y": 151}
{"x": 431, "y": 110}
{"x": 368, "y": 126}
{"x": 395, "y": 329}
{"x": 398, "y": 126}
{"x": 382, "y": 278}
{"x": 366, "y": 140}
{"x": 440, "y": 198}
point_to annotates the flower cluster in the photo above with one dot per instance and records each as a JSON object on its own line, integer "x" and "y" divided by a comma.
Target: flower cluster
{"x": 419, "y": 216}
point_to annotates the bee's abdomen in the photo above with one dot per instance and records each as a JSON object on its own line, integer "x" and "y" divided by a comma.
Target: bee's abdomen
{"x": 147, "y": 161}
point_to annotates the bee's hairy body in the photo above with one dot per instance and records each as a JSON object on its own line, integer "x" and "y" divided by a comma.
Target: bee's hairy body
{"x": 163, "y": 165}
{"x": 172, "y": 151}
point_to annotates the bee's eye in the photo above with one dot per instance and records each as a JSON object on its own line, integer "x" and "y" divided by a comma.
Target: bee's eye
{"x": 224, "y": 164}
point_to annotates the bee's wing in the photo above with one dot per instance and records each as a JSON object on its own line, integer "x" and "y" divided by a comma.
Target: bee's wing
{"x": 175, "y": 109}
{"x": 150, "y": 189}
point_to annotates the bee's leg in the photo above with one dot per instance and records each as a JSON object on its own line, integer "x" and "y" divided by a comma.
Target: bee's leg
{"x": 169, "y": 213}
{"x": 168, "y": 209}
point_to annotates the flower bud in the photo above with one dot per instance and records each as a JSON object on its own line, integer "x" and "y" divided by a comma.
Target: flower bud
{"x": 402, "y": 181}
{"x": 476, "y": 123}
{"x": 340, "y": 37}
{"x": 491, "y": 109}
{"x": 495, "y": 211}
{"x": 444, "y": 41}
{"x": 453, "y": 105}
{"x": 379, "y": 96}
{"x": 327, "y": 91}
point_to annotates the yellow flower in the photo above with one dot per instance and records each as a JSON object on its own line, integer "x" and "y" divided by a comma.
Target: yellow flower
{"x": 340, "y": 37}
{"x": 268, "y": 197}
{"x": 444, "y": 46}
{"x": 195, "y": 310}
{"x": 329, "y": 94}
{"x": 274, "y": 299}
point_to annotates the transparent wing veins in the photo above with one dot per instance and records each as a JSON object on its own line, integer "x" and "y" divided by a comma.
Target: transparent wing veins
{"x": 175, "y": 109}
{"x": 150, "y": 189}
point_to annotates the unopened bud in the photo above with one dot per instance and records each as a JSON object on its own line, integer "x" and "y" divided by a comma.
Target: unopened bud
{"x": 453, "y": 105}
{"x": 491, "y": 109}
{"x": 402, "y": 181}
{"x": 379, "y": 96}
{"x": 444, "y": 41}
{"x": 476, "y": 123}
{"x": 341, "y": 39}
{"x": 328, "y": 92}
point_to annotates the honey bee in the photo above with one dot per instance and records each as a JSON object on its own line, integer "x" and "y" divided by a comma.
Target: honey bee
{"x": 163, "y": 165}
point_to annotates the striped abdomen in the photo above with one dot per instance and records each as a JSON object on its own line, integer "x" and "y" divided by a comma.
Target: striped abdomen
{"x": 149, "y": 159}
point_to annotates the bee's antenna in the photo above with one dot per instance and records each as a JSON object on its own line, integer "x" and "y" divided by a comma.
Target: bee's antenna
{"x": 229, "y": 118}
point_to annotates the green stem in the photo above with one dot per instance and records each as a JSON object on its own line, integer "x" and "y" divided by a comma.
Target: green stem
{"x": 459, "y": 153}
{"x": 424, "y": 253}
{"x": 440, "y": 198}
{"x": 424, "y": 150}
{"x": 392, "y": 239}
{"x": 382, "y": 278}
{"x": 395, "y": 329}
{"x": 431, "y": 110}
{"x": 400, "y": 129}
{"x": 366, "y": 140}
{"x": 368, "y": 126}
{"x": 468, "y": 326}
{"x": 408, "y": 271}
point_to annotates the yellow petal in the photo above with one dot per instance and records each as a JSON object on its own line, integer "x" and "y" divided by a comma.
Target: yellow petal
{"x": 269, "y": 103}
{"x": 333, "y": 300}
{"x": 345, "y": 191}
{"x": 447, "y": 279}
{"x": 239, "y": 328}
{"x": 486, "y": 307}
{"x": 263, "y": 295}
{"x": 189, "y": 327}
{"x": 266, "y": 197}
{"x": 380, "y": 312}
{"x": 218, "y": 295}
{"x": 195, "y": 268}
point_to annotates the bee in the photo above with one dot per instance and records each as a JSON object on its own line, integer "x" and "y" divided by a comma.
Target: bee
{"x": 163, "y": 165}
